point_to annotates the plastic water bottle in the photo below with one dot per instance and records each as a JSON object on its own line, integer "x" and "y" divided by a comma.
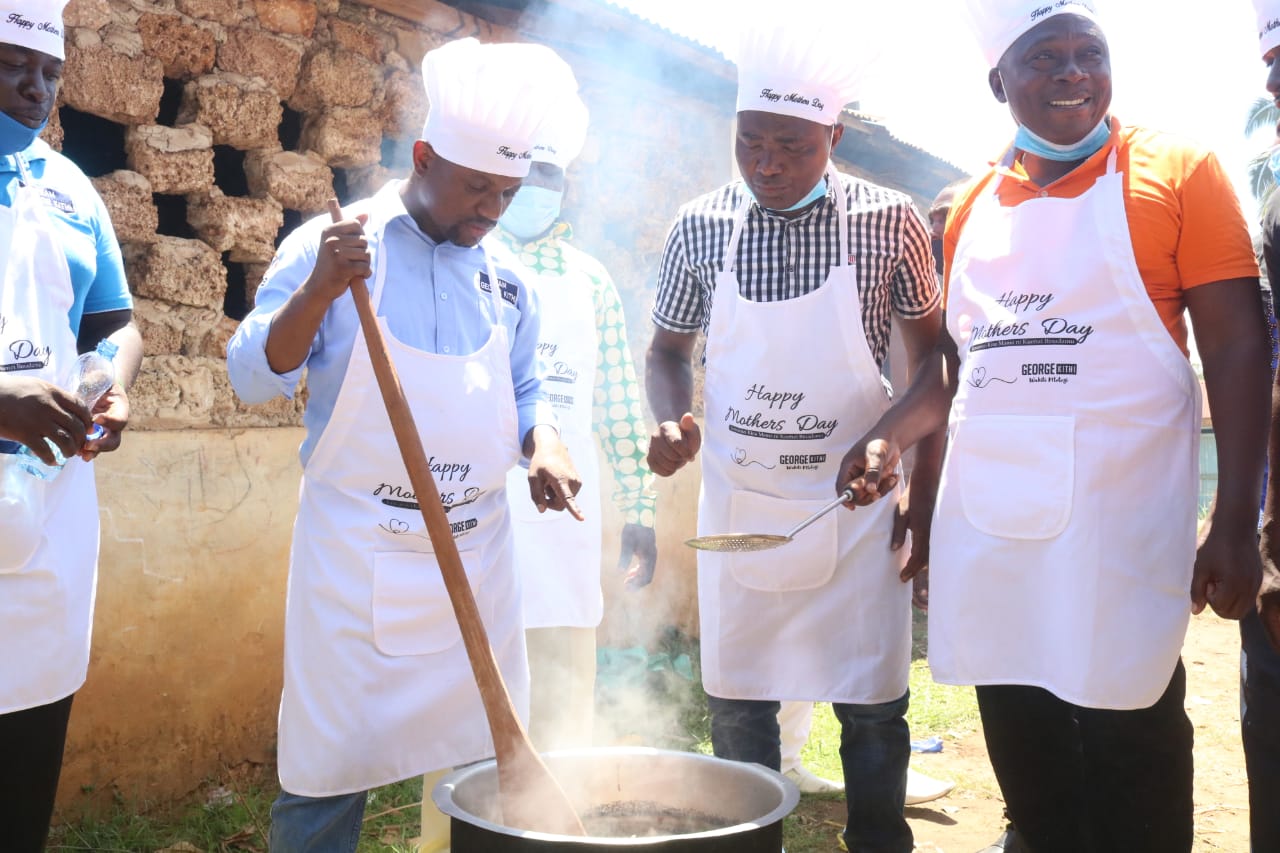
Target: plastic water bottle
{"x": 92, "y": 376}
{"x": 21, "y": 510}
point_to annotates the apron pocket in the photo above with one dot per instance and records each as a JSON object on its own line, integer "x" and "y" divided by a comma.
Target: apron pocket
{"x": 411, "y": 610}
{"x": 1016, "y": 473}
{"x": 807, "y": 562}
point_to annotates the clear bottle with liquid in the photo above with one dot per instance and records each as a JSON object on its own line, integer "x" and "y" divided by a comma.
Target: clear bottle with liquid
{"x": 92, "y": 376}
{"x": 21, "y": 510}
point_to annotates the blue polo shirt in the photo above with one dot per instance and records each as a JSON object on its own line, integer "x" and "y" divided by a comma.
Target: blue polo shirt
{"x": 83, "y": 229}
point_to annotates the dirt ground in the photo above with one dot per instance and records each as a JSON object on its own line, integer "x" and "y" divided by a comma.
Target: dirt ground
{"x": 970, "y": 817}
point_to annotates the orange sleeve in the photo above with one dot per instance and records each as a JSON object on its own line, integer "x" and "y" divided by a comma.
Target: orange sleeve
{"x": 956, "y": 220}
{"x": 1213, "y": 243}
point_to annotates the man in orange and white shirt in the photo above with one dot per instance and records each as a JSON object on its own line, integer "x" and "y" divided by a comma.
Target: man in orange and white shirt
{"x": 1063, "y": 543}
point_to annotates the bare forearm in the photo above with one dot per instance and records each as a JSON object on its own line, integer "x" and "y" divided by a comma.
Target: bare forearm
{"x": 1236, "y": 380}
{"x": 540, "y": 436}
{"x": 128, "y": 360}
{"x": 1270, "y": 518}
{"x": 1269, "y": 540}
{"x": 117, "y": 327}
{"x": 668, "y": 379}
{"x": 924, "y": 408}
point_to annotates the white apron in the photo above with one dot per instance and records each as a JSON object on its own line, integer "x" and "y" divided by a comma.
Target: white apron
{"x": 46, "y": 602}
{"x": 1065, "y": 528}
{"x": 790, "y": 386}
{"x": 557, "y": 556}
{"x": 377, "y": 684}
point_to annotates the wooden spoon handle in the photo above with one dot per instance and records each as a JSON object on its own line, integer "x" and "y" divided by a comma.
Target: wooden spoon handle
{"x": 528, "y": 791}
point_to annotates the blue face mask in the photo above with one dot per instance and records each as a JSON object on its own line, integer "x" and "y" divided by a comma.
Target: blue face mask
{"x": 1273, "y": 162}
{"x": 1085, "y": 148}
{"x": 532, "y": 212}
{"x": 819, "y": 190}
{"x": 16, "y": 136}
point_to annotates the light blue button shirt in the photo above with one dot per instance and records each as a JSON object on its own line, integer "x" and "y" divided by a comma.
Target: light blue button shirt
{"x": 431, "y": 300}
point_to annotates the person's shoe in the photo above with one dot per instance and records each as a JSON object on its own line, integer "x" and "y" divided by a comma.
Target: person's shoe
{"x": 1008, "y": 842}
{"x": 811, "y": 784}
{"x": 923, "y": 789}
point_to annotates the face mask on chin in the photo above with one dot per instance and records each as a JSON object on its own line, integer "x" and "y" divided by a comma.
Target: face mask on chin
{"x": 16, "y": 136}
{"x": 1027, "y": 141}
{"x": 532, "y": 212}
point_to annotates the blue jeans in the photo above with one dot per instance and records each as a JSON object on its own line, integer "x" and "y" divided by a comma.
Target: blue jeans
{"x": 1260, "y": 731}
{"x": 316, "y": 824}
{"x": 875, "y": 747}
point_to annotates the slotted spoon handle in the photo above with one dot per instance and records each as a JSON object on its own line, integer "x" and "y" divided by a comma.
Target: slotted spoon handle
{"x": 845, "y": 497}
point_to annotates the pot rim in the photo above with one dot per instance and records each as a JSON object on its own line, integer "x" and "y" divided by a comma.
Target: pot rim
{"x": 442, "y": 796}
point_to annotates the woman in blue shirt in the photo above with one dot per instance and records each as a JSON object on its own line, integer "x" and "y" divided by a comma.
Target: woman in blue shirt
{"x": 62, "y": 290}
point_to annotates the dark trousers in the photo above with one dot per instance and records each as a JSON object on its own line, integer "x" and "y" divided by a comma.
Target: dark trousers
{"x": 1260, "y": 730}
{"x": 1085, "y": 780}
{"x": 875, "y": 747}
{"x": 31, "y": 744}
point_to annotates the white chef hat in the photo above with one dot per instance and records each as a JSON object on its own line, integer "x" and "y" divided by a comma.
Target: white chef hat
{"x": 796, "y": 61}
{"x": 36, "y": 24}
{"x": 563, "y": 134}
{"x": 1268, "y": 24}
{"x": 999, "y": 23}
{"x": 487, "y": 102}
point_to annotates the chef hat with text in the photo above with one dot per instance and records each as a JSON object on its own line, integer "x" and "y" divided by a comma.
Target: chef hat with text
{"x": 1268, "y": 24}
{"x": 563, "y": 134}
{"x": 488, "y": 101}
{"x": 35, "y": 24}
{"x": 794, "y": 59}
{"x": 999, "y": 23}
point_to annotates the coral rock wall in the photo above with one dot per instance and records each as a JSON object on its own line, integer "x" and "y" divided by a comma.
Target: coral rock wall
{"x": 211, "y": 128}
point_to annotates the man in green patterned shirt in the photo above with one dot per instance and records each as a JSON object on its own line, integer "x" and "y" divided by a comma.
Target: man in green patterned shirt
{"x": 592, "y": 385}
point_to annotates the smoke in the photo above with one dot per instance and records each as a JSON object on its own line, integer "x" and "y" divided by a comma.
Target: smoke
{"x": 661, "y": 114}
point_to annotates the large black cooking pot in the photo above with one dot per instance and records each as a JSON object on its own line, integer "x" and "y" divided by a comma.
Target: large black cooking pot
{"x": 630, "y": 798}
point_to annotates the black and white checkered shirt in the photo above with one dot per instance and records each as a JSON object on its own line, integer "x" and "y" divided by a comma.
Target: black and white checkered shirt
{"x": 781, "y": 258}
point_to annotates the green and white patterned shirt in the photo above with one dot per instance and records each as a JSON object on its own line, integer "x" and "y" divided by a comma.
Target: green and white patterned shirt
{"x": 616, "y": 410}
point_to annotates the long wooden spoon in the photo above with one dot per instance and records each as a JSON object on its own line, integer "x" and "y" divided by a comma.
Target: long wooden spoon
{"x": 530, "y": 796}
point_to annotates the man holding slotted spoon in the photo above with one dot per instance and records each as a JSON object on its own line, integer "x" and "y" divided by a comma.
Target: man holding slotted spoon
{"x": 794, "y": 273}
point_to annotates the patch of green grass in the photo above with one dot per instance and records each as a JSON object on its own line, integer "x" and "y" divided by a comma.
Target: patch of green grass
{"x": 236, "y": 822}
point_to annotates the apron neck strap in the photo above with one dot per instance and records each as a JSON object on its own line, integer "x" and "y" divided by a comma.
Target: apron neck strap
{"x": 24, "y": 170}
{"x": 1007, "y": 162}
{"x": 842, "y": 205}
{"x": 495, "y": 286}
{"x": 837, "y": 189}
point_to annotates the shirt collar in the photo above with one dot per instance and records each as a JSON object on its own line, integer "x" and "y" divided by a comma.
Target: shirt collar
{"x": 559, "y": 232}
{"x": 1010, "y": 164}
{"x": 36, "y": 151}
{"x": 821, "y": 204}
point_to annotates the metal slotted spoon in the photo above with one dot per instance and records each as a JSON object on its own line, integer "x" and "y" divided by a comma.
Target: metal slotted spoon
{"x": 742, "y": 542}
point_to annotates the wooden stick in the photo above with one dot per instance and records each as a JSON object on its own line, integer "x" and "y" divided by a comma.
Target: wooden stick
{"x": 530, "y": 796}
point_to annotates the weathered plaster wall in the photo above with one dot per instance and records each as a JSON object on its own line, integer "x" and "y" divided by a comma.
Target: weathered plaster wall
{"x": 184, "y": 677}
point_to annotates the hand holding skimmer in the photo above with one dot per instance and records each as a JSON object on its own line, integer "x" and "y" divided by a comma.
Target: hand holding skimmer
{"x": 741, "y": 542}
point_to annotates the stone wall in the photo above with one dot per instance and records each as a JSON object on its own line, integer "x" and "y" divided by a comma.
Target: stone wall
{"x": 213, "y": 127}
